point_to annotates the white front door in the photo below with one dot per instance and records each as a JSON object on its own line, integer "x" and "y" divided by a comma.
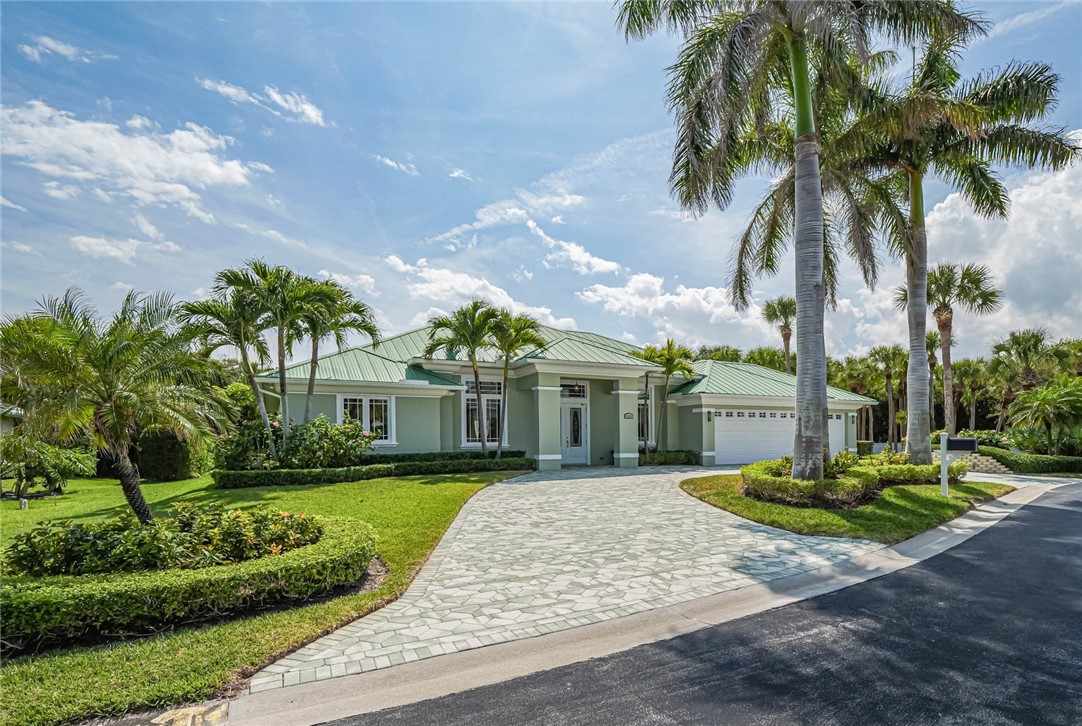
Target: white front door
{"x": 574, "y": 434}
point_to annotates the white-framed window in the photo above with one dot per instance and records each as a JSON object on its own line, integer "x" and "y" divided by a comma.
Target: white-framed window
{"x": 728, "y": 414}
{"x": 491, "y": 399}
{"x": 376, "y": 414}
{"x": 644, "y": 422}
{"x": 773, "y": 414}
{"x": 740, "y": 414}
{"x": 762, "y": 414}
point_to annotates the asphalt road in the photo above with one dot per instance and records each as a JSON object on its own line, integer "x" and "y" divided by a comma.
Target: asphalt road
{"x": 989, "y": 632}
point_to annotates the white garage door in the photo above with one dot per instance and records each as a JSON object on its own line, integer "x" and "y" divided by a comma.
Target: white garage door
{"x": 742, "y": 436}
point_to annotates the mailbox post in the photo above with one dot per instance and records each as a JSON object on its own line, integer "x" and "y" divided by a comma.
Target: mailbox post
{"x": 950, "y": 448}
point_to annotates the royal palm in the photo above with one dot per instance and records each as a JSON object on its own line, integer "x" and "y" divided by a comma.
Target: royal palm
{"x": 511, "y": 335}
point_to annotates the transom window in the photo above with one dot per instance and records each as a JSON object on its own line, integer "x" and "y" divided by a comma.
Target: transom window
{"x": 493, "y": 388}
{"x": 572, "y": 390}
{"x": 376, "y": 414}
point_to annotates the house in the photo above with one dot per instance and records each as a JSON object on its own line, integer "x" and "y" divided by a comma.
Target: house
{"x": 583, "y": 400}
{"x": 10, "y": 417}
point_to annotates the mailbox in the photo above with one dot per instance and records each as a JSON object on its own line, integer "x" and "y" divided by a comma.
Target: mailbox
{"x": 955, "y": 443}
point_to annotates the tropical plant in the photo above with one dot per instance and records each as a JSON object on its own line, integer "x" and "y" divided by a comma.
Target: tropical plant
{"x": 931, "y": 343}
{"x": 1055, "y": 406}
{"x": 781, "y": 311}
{"x": 890, "y": 358}
{"x": 968, "y": 287}
{"x": 969, "y": 377}
{"x": 766, "y": 357}
{"x": 724, "y": 353}
{"x": 84, "y": 377}
{"x": 738, "y": 61}
{"x": 333, "y": 314}
{"x": 511, "y": 335}
{"x": 673, "y": 360}
{"x": 28, "y": 462}
{"x": 860, "y": 375}
{"x": 1022, "y": 361}
{"x": 468, "y": 329}
{"x": 938, "y": 126}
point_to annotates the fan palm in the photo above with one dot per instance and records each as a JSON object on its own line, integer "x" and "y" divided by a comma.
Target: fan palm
{"x": 890, "y": 358}
{"x": 1056, "y": 405}
{"x": 108, "y": 380}
{"x": 673, "y": 360}
{"x": 512, "y": 334}
{"x": 968, "y": 287}
{"x": 781, "y": 311}
{"x": 969, "y": 377}
{"x": 333, "y": 313}
{"x": 1022, "y": 361}
{"x": 767, "y": 357}
{"x": 468, "y": 329}
{"x": 939, "y": 126}
{"x": 735, "y": 58}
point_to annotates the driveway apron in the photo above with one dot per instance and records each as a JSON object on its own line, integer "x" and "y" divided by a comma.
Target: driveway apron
{"x": 555, "y": 550}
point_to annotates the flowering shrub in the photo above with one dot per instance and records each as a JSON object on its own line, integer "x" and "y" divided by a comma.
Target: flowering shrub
{"x": 319, "y": 444}
{"x": 195, "y": 536}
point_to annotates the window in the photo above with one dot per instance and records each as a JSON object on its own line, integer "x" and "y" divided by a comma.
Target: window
{"x": 572, "y": 390}
{"x": 728, "y": 414}
{"x": 488, "y": 388}
{"x": 773, "y": 415}
{"x": 491, "y": 399}
{"x": 376, "y": 414}
{"x": 762, "y": 414}
{"x": 644, "y": 423}
{"x": 740, "y": 414}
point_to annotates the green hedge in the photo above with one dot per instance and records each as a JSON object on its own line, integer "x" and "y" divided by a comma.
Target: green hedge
{"x": 864, "y": 448}
{"x": 764, "y": 480}
{"x": 294, "y": 477}
{"x": 48, "y": 611}
{"x": 892, "y": 474}
{"x": 436, "y": 456}
{"x": 161, "y": 456}
{"x": 679, "y": 456}
{"x": 1033, "y": 463}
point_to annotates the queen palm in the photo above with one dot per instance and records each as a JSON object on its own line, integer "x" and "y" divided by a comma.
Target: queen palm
{"x": 939, "y": 126}
{"x": 781, "y": 311}
{"x": 109, "y": 380}
{"x": 511, "y": 335}
{"x": 334, "y": 313}
{"x": 673, "y": 360}
{"x": 968, "y": 287}
{"x": 969, "y": 378}
{"x": 735, "y": 58}
{"x": 469, "y": 330}
{"x": 890, "y": 358}
{"x": 230, "y": 320}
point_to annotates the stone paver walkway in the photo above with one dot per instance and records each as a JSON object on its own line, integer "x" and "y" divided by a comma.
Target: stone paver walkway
{"x": 556, "y": 550}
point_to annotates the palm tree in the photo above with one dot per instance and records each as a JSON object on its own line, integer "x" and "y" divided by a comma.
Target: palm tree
{"x": 230, "y": 320}
{"x": 724, "y": 353}
{"x": 969, "y": 377}
{"x": 781, "y": 311}
{"x": 735, "y": 58}
{"x": 1056, "y": 405}
{"x": 673, "y": 360}
{"x": 939, "y": 126}
{"x": 333, "y": 313}
{"x": 109, "y": 380}
{"x": 968, "y": 287}
{"x": 859, "y": 376}
{"x": 511, "y": 335}
{"x": 283, "y": 296}
{"x": 767, "y": 357}
{"x": 931, "y": 343}
{"x": 468, "y": 329}
{"x": 889, "y": 358}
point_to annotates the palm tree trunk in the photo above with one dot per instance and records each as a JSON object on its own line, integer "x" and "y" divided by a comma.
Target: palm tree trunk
{"x": 890, "y": 413}
{"x": 973, "y": 415}
{"x": 129, "y": 484}
{"x": 480, "y": 408}
{"x": 931, "y": 396}
{"x": 945, "y": 333}
{"x": 311, "y": 380}
{"x": 1048, "y": 434}
{"x": 918, "y": 417}
{"x": 260, "y": 402}
{"x": 785, "y": 336}
{"x": 662, "y": 434}
{"x": 810, "y": 292}
{"x": 503, "y": 409}
{"x": 282, "y": 385}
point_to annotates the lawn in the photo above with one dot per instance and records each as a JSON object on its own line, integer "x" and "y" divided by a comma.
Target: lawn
{"x": 409, "y": 515}
{"x": 900, "y": 513}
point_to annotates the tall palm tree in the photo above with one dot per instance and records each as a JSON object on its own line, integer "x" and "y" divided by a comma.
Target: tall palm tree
{"x": 939, "y": 126}
{"x": 889, "y": 358}
{"x": 231, "y": 320}
{"x": 968, "y": 287}
{"x": 969, "y": 377}
{"x": 1055, "y": 405}
{"x": 781, "y": 311}
{"x": 333, "y": 314}
{"x": 931, "y": 344}
{"x": 673, "y": 360}
{"x": 767, "y": 357}
{"x": 735, "y": 58}
{"x": 111, "y": 379}
{"x": 859, "y": 376}
{"x": 468, "y": 329}
{"x": 511, "y": 335}
{"x": 283, "y": 296}
{"x": 724, "y": 353}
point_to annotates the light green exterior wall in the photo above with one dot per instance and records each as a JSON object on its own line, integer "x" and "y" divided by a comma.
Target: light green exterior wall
{"x": 322, "y": 404}
{"x": 417, "y": 425}
{"x": 697, "y": 433}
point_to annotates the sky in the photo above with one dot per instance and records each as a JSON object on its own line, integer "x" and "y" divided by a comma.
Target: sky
{"x": 426, "y": 154}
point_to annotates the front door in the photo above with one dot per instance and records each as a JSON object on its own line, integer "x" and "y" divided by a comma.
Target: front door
{"x": 574, "y": 438}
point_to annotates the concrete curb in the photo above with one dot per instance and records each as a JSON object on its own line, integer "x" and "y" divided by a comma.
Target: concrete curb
{"x": 422, "y": 680}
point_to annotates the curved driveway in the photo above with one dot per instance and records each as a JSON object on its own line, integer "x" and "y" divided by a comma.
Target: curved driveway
{"x": 555, "y": 550}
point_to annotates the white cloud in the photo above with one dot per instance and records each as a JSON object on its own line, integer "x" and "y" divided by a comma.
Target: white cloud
{"x": 19, "y": 247}
{"x": 452, "y": 289}
{"x": 121, "y": 286}
{"x": 122, "y": 250}
{"x": 460, "y": 174}
{"x": 150, "y": 167}
{"x": 360, "y": 281}
{"x": 522, "y": 274}
{"x": 147, "y": 228}
{"x": 512, "y": 211}
{"x": 56, "y": 190}
{"x": 404, "y": 167}
{"x": 42, "y": 45}
{"x": 558, "y": 219}
{"x": 629, "y": 337}
{"x": 103, "y": 195}
{"x": 677, "y": 214}
{"x": 288, "y": 105}
{"x": 139, "y": 123}
{"x": 5, "y": 202}
{"x": 1030, "y": 17}
{"x": 582, "y": 261}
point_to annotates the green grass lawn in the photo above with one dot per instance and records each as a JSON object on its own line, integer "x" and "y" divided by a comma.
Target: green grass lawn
{"x": 900, "y": 513}
{"x": 409, "y": 515}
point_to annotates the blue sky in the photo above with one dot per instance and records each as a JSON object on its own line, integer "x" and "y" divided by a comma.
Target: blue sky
{"x": 424, "y": 154}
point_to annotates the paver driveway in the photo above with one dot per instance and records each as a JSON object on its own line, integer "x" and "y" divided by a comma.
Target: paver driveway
{"x": 555, "y": 550}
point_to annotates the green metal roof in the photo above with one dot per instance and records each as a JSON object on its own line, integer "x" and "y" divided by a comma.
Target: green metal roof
{"x": 746, "y": 379}
{"x": 363, "y": 365}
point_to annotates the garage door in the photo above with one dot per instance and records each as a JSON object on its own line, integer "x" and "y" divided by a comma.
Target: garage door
{"x": 742, "y": 436}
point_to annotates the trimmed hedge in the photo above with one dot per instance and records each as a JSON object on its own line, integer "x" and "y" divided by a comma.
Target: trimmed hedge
{"x": 1033, "y": 463}
{"x": 677, "y": 457}
{"x": 437, "y": 456}
{"x": 764, "y": 480}
{"x": 49, "y": 611}
{"x": 864, "y": 448}
{"x": 161, "y": 456}
{"x": 893, "y": 474}
{"x": 297, "y": 477}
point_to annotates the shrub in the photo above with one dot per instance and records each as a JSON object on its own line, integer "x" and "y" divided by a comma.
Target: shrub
{"x": 886, "y": 457}
{"x": 31, "y": 462}
{"x": 161, "y": 456}
{"x": 319, "y": 444}
{"x": 664, "y": 458}
{"x": 1033, "y": 463}
{"x": 58, "y": 610}
{"x": 893, "y": 474}
{"x": 246, "y": 447}
{"x": 436, "y": 456}
{"x": 294, "y": 477}
{"x": 864, "y": 448}
{"x": 194, "y": 536}
{"x": 768, "y": 481}
{"x": 842, "y": 462}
